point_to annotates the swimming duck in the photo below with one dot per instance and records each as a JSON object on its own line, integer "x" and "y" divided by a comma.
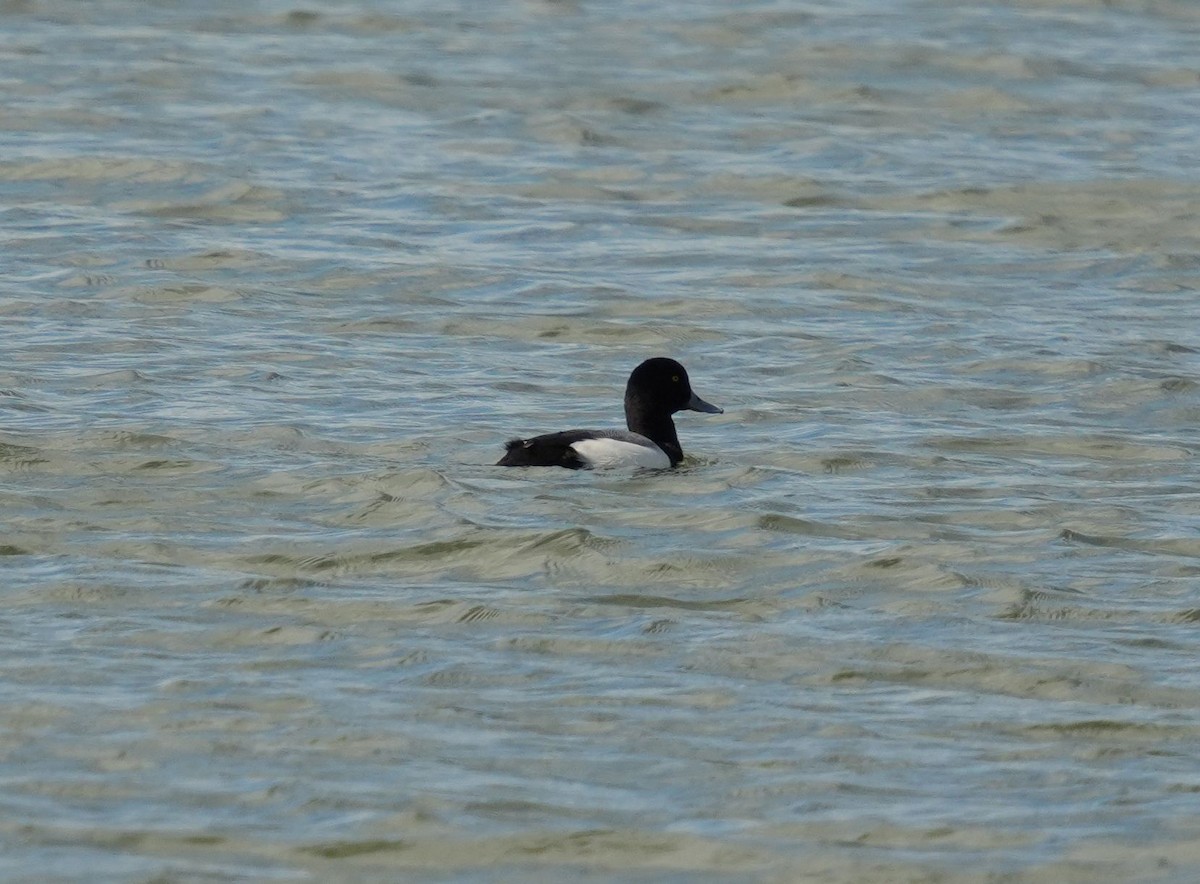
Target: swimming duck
{"x": 657, "y": 389}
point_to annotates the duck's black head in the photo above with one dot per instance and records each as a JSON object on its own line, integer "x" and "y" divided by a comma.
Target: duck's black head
{"x": 661, "y": 386}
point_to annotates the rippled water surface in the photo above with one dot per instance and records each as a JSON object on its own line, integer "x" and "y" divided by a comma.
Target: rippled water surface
{"x": 280, "y": 279}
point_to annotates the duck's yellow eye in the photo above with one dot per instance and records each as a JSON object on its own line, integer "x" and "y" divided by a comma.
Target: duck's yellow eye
{"x": 675, "y": 379}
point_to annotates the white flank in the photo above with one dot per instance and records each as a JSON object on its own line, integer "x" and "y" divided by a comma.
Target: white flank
{"x": 609, "y": 454}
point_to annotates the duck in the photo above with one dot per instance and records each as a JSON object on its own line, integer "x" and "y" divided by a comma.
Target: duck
{"x": 657, "y": 389}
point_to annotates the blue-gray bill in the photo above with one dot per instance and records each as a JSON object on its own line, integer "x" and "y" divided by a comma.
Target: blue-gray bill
{"x": 698, "y": 404}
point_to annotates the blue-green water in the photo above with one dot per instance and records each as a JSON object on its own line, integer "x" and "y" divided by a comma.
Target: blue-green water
{"x": 279, "y": 280}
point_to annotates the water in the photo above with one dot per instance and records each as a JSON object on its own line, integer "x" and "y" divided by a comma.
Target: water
{"x": 281, "y": 278}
